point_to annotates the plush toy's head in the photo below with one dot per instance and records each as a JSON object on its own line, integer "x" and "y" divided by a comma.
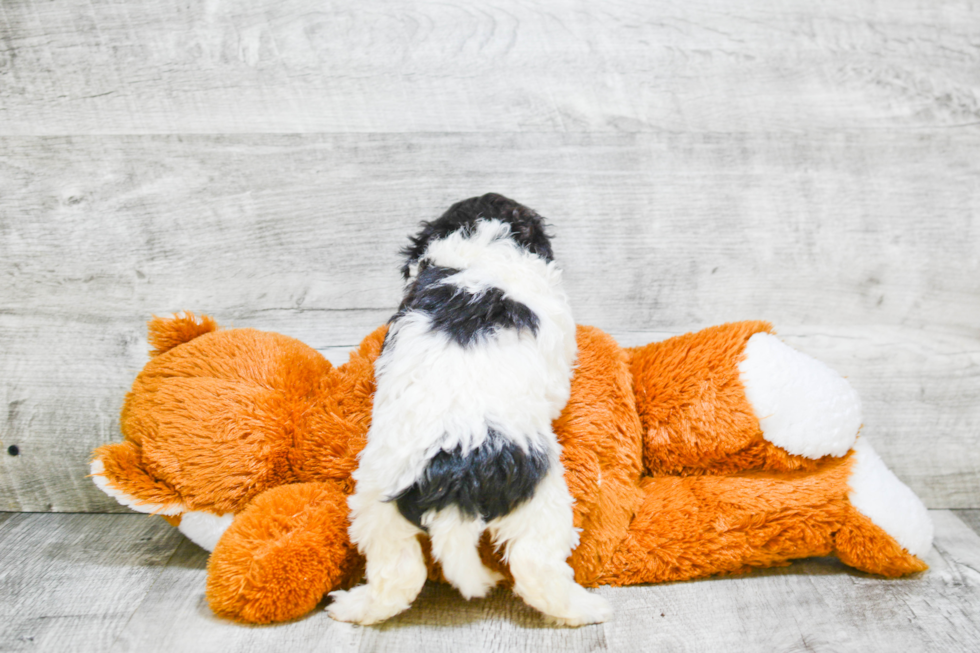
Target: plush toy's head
{"x": 226, "y": 415}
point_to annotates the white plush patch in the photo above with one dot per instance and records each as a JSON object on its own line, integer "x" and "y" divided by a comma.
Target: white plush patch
{"x": 878, "y": 495}
{"x": 204, "y": 528}
{"x": 97, "y": 470}
{"x": 803, "y": 406}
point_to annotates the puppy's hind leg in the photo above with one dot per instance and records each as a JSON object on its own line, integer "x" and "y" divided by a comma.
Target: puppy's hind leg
{"x": 455, "y": 539}
{"x": 396, "y": 568}
{"x": 538, "y": 538}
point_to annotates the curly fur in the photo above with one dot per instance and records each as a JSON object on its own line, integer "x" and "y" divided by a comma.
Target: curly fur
{"x": 476, "y": 365}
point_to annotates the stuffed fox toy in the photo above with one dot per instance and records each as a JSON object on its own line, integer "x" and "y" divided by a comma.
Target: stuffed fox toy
{"x": 709, "y": 453}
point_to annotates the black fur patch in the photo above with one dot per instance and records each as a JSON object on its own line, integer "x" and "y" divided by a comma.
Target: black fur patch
{"x": 488, "y": 482}
{"x": 464, "y": 316}
{"x": 527, "y": 227}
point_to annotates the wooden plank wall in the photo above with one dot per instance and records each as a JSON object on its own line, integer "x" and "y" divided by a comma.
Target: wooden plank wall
{"x": 701, "y": 162}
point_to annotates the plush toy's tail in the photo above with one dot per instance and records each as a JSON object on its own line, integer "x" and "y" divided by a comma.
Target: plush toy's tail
{"x": 165, "y": 333}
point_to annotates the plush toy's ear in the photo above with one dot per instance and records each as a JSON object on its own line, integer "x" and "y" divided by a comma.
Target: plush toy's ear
{"x": 165, "y": 333}
{"x": 118, "y": 469}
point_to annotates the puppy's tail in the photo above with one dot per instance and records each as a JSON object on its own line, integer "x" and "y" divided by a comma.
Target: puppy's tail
{"x": 165, "y": 333}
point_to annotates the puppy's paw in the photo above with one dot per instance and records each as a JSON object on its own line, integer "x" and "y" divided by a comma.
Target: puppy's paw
{"x": 583, "y": 608}
{"x": 477, "y": 585}
{"x": 361, "y": 606}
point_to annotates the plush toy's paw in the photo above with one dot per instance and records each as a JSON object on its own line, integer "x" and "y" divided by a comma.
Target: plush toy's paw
{"x": 477, "y": 585}
{"x": 282, "y": 554}
{"x": 890, "y": 505}
{"x": 363, "y": 606}
{"x": 583, "y": 608}
{"x": 803, "y": 406}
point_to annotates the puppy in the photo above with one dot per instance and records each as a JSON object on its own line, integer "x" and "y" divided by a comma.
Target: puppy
{"x": 476, "y": 364}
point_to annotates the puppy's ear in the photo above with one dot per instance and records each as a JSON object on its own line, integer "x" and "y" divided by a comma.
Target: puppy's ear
{"x": 526, "y": 226}
{"x": 416, "y": 248}
{"x": 407, "y": 268}
{"x": 531, "y": 232}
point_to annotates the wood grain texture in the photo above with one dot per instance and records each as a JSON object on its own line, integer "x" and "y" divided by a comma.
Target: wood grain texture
{"x": 237, "y": 66}
{"x": 653, "y": 230}
{"x": 969, "y": 517}
{"x": 812, "y": 605}
{"x": 824, "y": 608}
{"x": 71, "y": 582}
{"x": 874, "y": 241}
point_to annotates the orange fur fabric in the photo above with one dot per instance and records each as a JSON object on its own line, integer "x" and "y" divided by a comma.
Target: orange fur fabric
{"x": 672, "y": 475}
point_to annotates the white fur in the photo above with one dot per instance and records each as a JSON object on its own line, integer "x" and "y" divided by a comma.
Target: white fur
{"x": 204, "y": 528}
{"x": 395, "y": 568}
{"x": 538, "y": 537}
{"x": 489, "y": 258}
{"x": 803, "y": 406}
{"x": 878, "y": 495}
{"x": 454, "y": 541}
{"x": 433, "y": 395}
{"x": 429, "y": 387}
{"x": 97, "y": 472}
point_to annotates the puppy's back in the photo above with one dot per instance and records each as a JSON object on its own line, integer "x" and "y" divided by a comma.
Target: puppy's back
{"x": 476, "y": 365}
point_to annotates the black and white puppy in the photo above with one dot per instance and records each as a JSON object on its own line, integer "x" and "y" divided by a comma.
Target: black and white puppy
{"x": 476, "y": 365}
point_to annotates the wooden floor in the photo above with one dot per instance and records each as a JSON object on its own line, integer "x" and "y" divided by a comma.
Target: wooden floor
{"x": 131, "y": 583}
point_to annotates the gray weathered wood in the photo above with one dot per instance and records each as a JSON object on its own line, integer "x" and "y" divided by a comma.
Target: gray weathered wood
{"x": 815, "y": 605}
{"x": 971, "y": 518}
{"x": 233, "y": 66}
{"x": 71, "y": 582}
{"x": 819, "y": 606}
{"x": 821, "y": 235}
{"x": 653, "y": 230}
{"x": 920, "y": 390}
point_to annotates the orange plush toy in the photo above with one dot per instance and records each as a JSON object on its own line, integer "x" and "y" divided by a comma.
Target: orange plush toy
{"x": 709, "y": 453}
